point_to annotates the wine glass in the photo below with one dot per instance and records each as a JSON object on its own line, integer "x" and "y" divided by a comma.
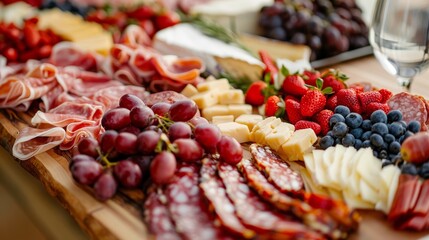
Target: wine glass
{"x": 399, "y": 35}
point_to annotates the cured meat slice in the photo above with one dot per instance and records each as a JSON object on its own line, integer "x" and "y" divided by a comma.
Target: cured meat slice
{"x": 179, "y": 69}
{"x": 411, "y": 106}
{"x": 157, "y": 216}
{"x": 166, "y": 96}
{"x": 110, "y": 96}
{"x": 258, "y": 215}
{"x": 32, "y": 141}
{"x": 215, "y": 192}
{"x": 276, "y": 170}
{"x": 316, "y": 219}
{"x": 67, "y": 54}
{"x": 187, "y": 208}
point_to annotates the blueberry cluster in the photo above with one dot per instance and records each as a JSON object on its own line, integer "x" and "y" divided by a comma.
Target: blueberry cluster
{"x": 67, "y": 6}
{"x": 384, "y": 133}
{"x": 412, "y": 169}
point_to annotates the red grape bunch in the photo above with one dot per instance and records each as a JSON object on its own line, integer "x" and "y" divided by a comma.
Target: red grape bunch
{"x": 142, "y": 142}
{"x": 328, "y": 27}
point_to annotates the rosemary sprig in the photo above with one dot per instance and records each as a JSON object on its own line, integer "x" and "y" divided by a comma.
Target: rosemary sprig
{"x": 242, "y": 83}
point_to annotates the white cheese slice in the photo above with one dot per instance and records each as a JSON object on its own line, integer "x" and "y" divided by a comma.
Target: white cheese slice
{"x": 345, "y": 169}
{"x": 369, "y": 168}
{"x": 250, "y": 120}
{"x": 218, "y": 85}
{"x": 236, "y": 130}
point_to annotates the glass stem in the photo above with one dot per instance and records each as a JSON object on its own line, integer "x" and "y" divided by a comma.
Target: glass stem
{"x": 405, "y": 82}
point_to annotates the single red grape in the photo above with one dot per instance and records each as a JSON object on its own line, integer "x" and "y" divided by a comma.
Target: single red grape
{"x": 195, "y": 121}
{"x": 131, "y": 129}
{"x": 208, "y": 135}
{"x": 230, "y": 150}
{"x": 130, "y": 101}
{"x": 128, "y": 173}
{"x": 126, "y": 143}
{"x": 179, "y": 130}
{"x": 86, "y": 172}
{"x": 107, "y": 141}
{"x": 116, "y": 119}
{"x": 105, "y": 187}
{"x": 147, "y": 142}
{"x": 161, "y": 108}
{"x": 189, "y": 150}
{"x": 182, "y": 110}
{"x": 141, "y": 116}
{"x": 162, "y": 167}
{"x": 88, "y": 146}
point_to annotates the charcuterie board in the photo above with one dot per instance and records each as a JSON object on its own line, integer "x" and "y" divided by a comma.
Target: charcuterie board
{"x": 122, "y": 216}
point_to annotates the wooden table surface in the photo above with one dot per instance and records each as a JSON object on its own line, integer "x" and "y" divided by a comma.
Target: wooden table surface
{"x": 121, "y": 217}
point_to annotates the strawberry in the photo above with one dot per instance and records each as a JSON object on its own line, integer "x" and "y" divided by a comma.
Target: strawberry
{"x": 291, "y": 97}
{"x": 334, "y": 79}
{"x": 349, "y": 98}
{"x": 376, "y": 106}
{"x": 293, "y": 84}
{"x": 366, "y": 98}
{"x": 310, "y": 77}
{"x": 303, "y": 124}
{"x": 322, "y": 118}
{"x": 293, "y": 110}
{"x": 254, "y": 94}
{"x": 274, "y": 107}
{"x": 332, "y": 102}
{"x": 314, "y": 99}
{"x": 385, "y": 95}
{"x": 270, "y": 67}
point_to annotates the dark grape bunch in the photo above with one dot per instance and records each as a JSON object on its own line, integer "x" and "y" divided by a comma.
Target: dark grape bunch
{"x": 328, "y": 27}
{"x": 142, "y": 142}
{"x": 384, "y": 133}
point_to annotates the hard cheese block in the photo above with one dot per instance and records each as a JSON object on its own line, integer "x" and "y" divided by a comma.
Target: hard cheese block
{"x": 301, "y": 141}
{"x": 250, "y": 120}
{"x": 220, "y": 110}
{"x": 236, "y": 130}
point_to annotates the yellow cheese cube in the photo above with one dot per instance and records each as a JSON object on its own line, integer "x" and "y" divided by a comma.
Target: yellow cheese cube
{"x": 217, "y": 110}
{"x": 189, "y": 90}
{"x": 80, "y": 31}
{"x": 102, "y": 43}
{"x": 301, "y": 141}
{"x": 232, "y": 96}
{"x": 250, "y": 120}
{"x": 218, "y": 85}
{"x": 264, "y": 123}
{"x": 205, "y": 99}
{"x": 239, "y": 109}
{"x": 278, "y": 136}
{"x": 222, "y": 119}
{"x": 236, "y": 130}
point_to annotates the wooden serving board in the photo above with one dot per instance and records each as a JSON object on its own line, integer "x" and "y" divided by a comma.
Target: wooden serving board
{"x": 122, "y": 216}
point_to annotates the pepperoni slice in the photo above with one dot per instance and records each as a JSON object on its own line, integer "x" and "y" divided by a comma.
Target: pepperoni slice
{"x": 158, "y": 218}
{"x": 411, "y": 106}
{"x": 278, "y": 172}
{"x": 258, "y": 215}
{"x": 215, "y": 192}
{"x": 187, "y": 208}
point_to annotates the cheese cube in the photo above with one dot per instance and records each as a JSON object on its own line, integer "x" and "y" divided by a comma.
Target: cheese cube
{"x": 239, "y": 109}
{"x": 278, "y": 136}
{"x": 216, "y": 110}
{"x": 236, "y": 130}
{"x": 189, "y": 90}
{"x": 249, "y": 120}
{"x": 218, "y": 85}
{"x": 301, "y": 141}
{"x": 263, "y": 129}
{"x": 205, "y": 99}
{"x": 222, "y": 119}
{"x": 266, "y": 121}
{"x": 232, "y": 96}
{"x": 101, "y": 43}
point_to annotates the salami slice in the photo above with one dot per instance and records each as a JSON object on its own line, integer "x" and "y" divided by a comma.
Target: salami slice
{"x": 278, "y": 172}
{"x": 187, "y": 208}
{"x": 257, "y": 214}
{"x": 158, "y": 218}
{"x": 411, "y": 106}
{"x": 215, "y": 192}
{"x": 316, "y": 219}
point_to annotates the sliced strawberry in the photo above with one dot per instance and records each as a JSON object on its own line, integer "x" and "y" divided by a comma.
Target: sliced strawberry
{"x": 254, "y": 94}
{"x": 293, "y": 111}
{"x": 270, "y": 67}
{"x": 274, "y": 107}
{"x": 303, "y": 124}
{"x": 372, "y": 107}
{"x": 366, "y": 98}
{"x": 349, "y": 98}
{"x": 322, "y": 118}
{"x": 386, "y": 95}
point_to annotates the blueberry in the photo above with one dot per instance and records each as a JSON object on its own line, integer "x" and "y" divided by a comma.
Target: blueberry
{"x": 366, "y": 124}
{"x": 366, "y": 144}
{"x": 385, "y": 162}
{"x": 394, "y": 147}
{"x": 353, "y": 120}
{"x": 382, "y": 154}
{"x": 424, "y": 170}
{"x": 378, "y": 116}
{"x": 326, "y": 141}
{"x": 401, "y": 139}
{"x": 413, "y": 126}
{"x": 403, "y": 123}
{"x": 391, "y": 156}
{"x": 338, "y": 140}
{"x": 394, "y": 116}
{"x": 357, "y": 132}
{"x": 408, "y": 134}
{"x": 343, "y": 110}
{"x": 358, "y": 144}
{"x": 376, "y": 140}
{"x": 348, "y": 140}
{"x": 409, "y": 168}
{"x": 385, "y": 146}
{"x": 389, "y": 138}
{"x": 366, "y": 135}
{"x": 340, "y": 129}
{"x": 375, "y": 153}
{"x": 396, "y": 129}
{"x": 380, "y": 128}
{"x": 335, "y": 118}
{"x": 329, "y": 133}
